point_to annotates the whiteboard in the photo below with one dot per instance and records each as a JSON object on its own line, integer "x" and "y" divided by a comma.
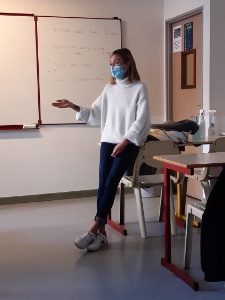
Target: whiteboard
{"x": 18, "y": 76}
{"x": 73, "y": 56}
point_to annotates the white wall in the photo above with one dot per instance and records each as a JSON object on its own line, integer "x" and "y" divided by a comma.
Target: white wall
{"x": 65, "y": 158}
{"x": 173, "y": 8}
{"x": 217, "y": 61}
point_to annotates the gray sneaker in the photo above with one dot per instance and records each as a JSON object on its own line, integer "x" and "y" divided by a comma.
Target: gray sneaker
{"x": 83, "y": 241}
{"x": 99, "y": 241}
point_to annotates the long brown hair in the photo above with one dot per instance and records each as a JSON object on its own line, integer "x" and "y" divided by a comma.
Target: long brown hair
{"x": 131, "y": 73}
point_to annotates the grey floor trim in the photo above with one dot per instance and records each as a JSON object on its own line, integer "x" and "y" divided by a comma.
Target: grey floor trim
{"x": 47, "y": 197}
{"x": 52, "y": 196}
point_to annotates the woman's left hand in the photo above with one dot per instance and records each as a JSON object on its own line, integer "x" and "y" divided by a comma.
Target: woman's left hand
{"x": 120, "y": 147}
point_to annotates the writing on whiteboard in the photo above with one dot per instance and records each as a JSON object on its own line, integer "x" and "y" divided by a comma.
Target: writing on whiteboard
{"x": 74, "y": 57}
{"x": 77, "y": 50}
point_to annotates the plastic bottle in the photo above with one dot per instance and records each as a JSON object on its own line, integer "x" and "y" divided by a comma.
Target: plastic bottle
{"x": 202, "y": 123}
{"x": 212, "y": 130}
{"x": 196, "y": 136}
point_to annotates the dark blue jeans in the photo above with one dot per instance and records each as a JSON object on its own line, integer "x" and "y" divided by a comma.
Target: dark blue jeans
{"x": 111, "y": 170}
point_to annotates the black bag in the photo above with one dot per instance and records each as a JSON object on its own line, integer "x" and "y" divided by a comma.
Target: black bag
{"x": 213, "y": 233}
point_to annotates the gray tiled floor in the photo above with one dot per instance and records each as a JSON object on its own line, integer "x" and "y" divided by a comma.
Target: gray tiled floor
{"x": 39, "y": 259}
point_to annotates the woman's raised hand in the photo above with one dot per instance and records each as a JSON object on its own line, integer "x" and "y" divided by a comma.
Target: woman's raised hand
{"x": 63, "y": 103}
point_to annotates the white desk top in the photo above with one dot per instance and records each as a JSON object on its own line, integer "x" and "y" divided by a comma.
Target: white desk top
{"x": 194, "y": 160}
{"x": 203, "y": 141}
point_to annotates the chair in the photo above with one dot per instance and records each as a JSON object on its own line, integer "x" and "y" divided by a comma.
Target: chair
{"x": 195, "y": 210}
{"x": 209, "y": 175}
{"x": 138, "y": 182}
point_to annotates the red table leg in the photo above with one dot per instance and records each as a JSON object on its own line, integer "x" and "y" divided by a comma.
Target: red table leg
{"x": 113, "y": 224}
{"x": 116, "y": 226}
{"x": 166, "y": 261}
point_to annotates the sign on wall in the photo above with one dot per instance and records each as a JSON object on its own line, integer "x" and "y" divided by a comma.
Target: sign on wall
{"x": 188, "y": 36}
{"x": 177, "y": 39}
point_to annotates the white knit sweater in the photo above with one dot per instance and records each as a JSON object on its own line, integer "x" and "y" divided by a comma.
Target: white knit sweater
{"x": 122, "y": 110}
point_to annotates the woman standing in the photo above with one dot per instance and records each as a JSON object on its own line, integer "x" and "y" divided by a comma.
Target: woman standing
{"x": 122, "y": 111}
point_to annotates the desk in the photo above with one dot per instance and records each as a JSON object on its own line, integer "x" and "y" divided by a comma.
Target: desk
{"x": 201, "y": 141}
{"x": 185, "y": 164}
{"x": 181, "y": 197}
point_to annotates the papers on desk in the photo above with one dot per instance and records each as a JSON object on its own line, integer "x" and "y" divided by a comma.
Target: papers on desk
{"x": 200, "y": 205}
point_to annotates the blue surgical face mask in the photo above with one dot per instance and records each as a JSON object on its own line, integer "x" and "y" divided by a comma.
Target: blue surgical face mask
{"x": 117, "y": 72}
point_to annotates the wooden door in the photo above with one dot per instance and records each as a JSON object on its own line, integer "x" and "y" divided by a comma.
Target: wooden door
{"x": 186, "y": 102}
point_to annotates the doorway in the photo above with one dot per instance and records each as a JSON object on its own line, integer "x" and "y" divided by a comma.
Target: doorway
{"x": 184, "y": 38}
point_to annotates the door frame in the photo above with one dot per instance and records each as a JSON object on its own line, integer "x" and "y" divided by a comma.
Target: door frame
{"x": 168, "y": 57}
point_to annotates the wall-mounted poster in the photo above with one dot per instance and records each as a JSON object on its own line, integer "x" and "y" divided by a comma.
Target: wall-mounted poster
{"x": 177, "y": 39}
{"x": 188, "y": 36}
